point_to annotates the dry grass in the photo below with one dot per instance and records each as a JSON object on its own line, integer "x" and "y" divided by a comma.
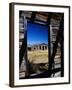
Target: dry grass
{"x": 38, "y": 60}
{"x": 38, "y": 56}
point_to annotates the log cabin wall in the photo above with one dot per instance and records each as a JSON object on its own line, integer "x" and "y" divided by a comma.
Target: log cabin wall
{"x": 41, "y": 18}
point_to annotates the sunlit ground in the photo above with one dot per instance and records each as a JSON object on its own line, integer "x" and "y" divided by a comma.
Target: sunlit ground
{"x": 38, "y": 56}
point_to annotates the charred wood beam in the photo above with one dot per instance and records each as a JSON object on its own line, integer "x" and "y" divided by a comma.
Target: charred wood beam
{"x": 23, "y": 49}
{"x": 33, "y": 16}
{"x": 44, "y": 74}
{"x": 20, "y": 13}
{"x": 49, "y": 46}
{"x": 59, "y": 35}
{"x": 23, "y": 53}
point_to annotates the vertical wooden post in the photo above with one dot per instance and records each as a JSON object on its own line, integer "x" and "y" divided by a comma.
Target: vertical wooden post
{"x": 23, "y": 49}
{"x": 33, "y": 16}
{"x": 49, "y": 45}
{"x": 51, "y": 59}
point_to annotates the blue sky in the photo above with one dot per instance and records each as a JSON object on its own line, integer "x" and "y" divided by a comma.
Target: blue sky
{"x": 37, "y": 34}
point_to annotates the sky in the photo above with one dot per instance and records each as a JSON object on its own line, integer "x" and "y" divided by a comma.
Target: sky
{"x": 36, "y": 34}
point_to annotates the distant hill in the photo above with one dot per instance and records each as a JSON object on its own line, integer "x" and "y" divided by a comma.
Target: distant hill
{"x": 29, "y": 45}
